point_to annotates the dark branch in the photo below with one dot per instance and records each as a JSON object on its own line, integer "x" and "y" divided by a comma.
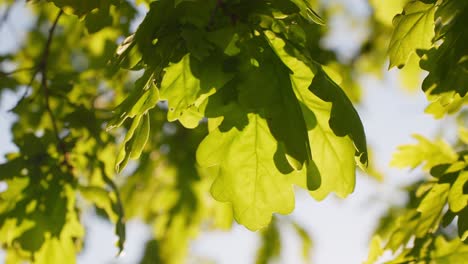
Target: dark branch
{"x": 42, "y": 69}
{"x": 7, "y": 73}
{"x": 5, "y": 15}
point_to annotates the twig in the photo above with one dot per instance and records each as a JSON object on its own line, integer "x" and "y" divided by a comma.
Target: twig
{"x": 27, "y": 87}
{"x": 5, "y": 15}
{"x": 7, "y": 73}
{"x": 42, "y": 69}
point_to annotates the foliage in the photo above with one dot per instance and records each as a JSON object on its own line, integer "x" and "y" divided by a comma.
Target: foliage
{"x": 434, "y": 203}
{"x": 231, "y": 100}
{"x": 418, "y": 233}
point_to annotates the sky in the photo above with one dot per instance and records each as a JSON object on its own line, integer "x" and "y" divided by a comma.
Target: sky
{"x": 341, "y": 228}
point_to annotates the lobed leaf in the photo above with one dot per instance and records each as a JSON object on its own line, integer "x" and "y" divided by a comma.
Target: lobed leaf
{"x": 247, "y": 177}
{"x": 447, "y": 62}
{"x": 188, "y": 83}
{"x": 333, "y": 155}
{"x": 413, "y": 30}
{"x": 457, "y": 198}
{"x": 424, "y": 152}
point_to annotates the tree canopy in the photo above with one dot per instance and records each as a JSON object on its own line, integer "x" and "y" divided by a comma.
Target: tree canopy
{"x": 199, "y": 113}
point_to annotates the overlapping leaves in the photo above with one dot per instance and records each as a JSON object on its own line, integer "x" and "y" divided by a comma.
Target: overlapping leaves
{"x": 434, "y": 204}
{"x": 414, "y": 29}
{"x": 447, "y": 62}
{"x": 63, "y": 153}
{"x": 169, "y": 192}
{"x": 436, "y": 31}
{"x": 248, "y": 67}
{"x": 272, "y": 124}
{"x": 37, "y": 211}
{"x": 418, "y": 232}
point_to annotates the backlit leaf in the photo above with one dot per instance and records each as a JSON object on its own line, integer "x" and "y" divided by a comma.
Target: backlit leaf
{"x": 457, "y": 198}
{"x": 248, "y": 177}
{"x": 424, "y": 152}
{"x": 326, "y": 147}
{"x": 414, "y": 29}
{"x": 188, "y": 83}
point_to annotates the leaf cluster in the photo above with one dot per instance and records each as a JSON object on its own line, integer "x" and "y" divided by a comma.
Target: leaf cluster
{"x": 248, "y": 78}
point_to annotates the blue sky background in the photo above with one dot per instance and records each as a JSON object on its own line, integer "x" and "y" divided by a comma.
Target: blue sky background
{"x": 341, "y": 229}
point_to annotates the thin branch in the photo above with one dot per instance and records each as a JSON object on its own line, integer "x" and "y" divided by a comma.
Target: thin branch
{"x": 45, "y": 54}
{"x": 5, "y": 15}
{"x": 8, "y": 73}
{"x": 28, "y": 86}
{"x": 42, "y": 69}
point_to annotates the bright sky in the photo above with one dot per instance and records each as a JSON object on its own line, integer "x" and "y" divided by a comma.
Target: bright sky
{"x": 341, "y": 229}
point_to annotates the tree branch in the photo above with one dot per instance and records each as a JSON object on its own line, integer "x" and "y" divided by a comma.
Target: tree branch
{"x": 5, "y": 15}
{"x": 42, "y": 69}
{"x": 7, "y": 73}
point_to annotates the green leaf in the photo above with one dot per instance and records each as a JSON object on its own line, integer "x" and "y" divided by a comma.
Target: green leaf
{"x": 141, "y": 137}
{"x": 344, "y": 119}
{"x": 457, "y": 197}
{"x": 57, "y": 250}
{"x": 134, "y": 141}
{"x": 462, "y": 224}
{"x": 267, "y": 89}
{"x": 414, "y": 29}
{"x": 270, "y": 244}
{"x": 96, "y": 21}
{"x": 196, "y": 42}
{"x": 424, "y": 152}
{"x": 126, "y": 56}
{"x": 248, "y": 178}
{"x": 404, "y": 228}
{"x": 444, "y": 103}
{"x": 158, "y": 36}
{"x": 306, "y": 241}
{"x": 422, "y": 221}
{"x": 463, "y": 134}
{"x": 142, "y": 98}
{"x": 307, "y": 12}
{"x": 101, "y": 198}
{"x": 226, "y": 39}
{"x": 430, "y": 209}
{"x": 433, "y": 249}
{"x": 447, "y": 62}
{"x": 332, "y": 155}
{"x": 189, "y": 82}
{"x": 375, "y": 250}
{"x": 454, "y": 251}
{"x": 38, "y": 217}
{"x": 123, "y": 155}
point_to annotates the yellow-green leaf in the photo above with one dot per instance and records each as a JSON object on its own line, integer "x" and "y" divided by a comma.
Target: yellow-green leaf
{"x": 424, "y": 152}
{"x": 333, "y": 155}
{"x": 248, "y": 177}
{"x": 457, "y": 198}
{"x": 414, "y": 29}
